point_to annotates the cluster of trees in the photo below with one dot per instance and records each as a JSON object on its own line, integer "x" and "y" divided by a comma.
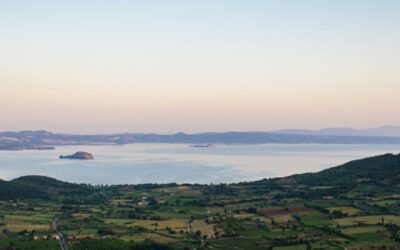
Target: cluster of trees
{"x": 115, "y": 244}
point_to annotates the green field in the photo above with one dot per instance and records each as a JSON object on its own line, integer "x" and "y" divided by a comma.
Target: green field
{"x": 370, "y": 220}
{"x": 363, "y": 229}
{"x": 345, "y": 210}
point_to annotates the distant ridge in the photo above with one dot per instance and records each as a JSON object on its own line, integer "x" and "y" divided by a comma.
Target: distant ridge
{"x": 387, "y": 130}
{"x": 44, "y": 140}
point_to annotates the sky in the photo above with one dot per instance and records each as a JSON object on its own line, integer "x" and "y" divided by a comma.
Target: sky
{"x": 193, "y": 66}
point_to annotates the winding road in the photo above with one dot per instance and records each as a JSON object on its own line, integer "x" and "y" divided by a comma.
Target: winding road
{"x": 62, "y": 240}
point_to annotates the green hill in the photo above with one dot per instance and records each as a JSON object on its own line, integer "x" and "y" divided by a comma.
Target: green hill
{"x": 10, "y": 190}
{"x": 375, "y": 169}
{"x": 34, "y": 186}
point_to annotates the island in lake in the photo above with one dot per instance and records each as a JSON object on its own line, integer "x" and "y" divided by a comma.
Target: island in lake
{"x": 78, "y": 156}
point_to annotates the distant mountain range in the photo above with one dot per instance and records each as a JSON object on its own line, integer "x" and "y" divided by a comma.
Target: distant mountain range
{"x": 392, "y": 131}
{"x": 44, "y": 140}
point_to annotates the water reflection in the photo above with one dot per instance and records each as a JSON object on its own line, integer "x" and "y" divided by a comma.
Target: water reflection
{"x": 163, "y": 163}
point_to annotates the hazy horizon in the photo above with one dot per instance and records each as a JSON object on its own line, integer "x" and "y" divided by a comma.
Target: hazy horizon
{"x": 380, "y": 128}
{"x": 122, "y": 66}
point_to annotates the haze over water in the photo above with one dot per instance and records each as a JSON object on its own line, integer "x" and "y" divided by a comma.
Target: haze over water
{"x": 164, "y": 163}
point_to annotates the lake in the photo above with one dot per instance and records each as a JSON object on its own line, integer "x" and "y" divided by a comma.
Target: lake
{"x": 164, "y": 163}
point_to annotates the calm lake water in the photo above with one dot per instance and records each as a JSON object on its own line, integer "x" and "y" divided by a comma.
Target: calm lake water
{"x": 163, "y": 163}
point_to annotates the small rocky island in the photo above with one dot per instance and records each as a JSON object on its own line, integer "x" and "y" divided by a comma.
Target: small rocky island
{"x": 78, "y": 156}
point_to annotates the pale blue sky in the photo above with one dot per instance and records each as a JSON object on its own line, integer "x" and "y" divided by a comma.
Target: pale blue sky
{"x": 166, "y": 66}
